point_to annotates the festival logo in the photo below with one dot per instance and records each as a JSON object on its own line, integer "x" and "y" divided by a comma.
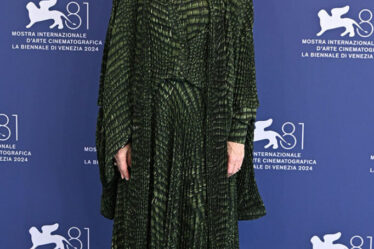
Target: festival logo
{"x": 62, "y": 29}
{"x": 342, "y": 34}
{"x": 328, "y": 242}
{"x": 335, "y": 20}
{"x": 48, "y": 236}
{"x": 43, "y": 13}
{"x": 272, "y": 137}
{"x": 10, "y": 151}
{"x": 282, "y": 147}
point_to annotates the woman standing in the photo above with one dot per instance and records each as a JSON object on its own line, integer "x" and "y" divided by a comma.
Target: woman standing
{"x": 178, "y": 103}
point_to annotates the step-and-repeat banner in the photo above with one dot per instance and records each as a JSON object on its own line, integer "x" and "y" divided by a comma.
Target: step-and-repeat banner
{"x": 314, "y": 149}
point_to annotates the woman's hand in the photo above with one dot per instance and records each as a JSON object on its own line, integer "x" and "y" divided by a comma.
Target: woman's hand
{"x": 235, "y": 152}
{"x": 123, "y": 161}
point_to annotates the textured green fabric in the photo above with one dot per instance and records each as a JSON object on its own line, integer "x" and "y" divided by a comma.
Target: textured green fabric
{"x": 178, "y": 82}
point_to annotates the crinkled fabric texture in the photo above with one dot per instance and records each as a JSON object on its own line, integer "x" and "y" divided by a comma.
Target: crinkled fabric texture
{"x": 178, "y": 82}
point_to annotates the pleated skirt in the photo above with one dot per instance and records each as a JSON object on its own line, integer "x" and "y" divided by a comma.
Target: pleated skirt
{"x": 178, "y": 217}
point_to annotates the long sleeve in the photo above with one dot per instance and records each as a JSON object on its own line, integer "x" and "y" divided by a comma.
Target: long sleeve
{"x": 245, "y": 99}
{"x": 114, "y": 122}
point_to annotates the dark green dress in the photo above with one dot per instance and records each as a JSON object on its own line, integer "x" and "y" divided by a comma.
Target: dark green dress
{"x": 166, "y": 203}
{"x": 178, "y": 213}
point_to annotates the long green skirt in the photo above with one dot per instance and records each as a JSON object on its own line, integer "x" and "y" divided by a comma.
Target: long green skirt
{"x": 178, "y": 215}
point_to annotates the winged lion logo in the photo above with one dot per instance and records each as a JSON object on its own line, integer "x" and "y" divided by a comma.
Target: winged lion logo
{"x": 46, "y": 237}
{"x": 336, "y": 20}
{"x": 44, "y": 13}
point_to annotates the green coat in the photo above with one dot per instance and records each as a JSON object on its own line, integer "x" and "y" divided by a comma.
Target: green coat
{"x": 125, "y": 115}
